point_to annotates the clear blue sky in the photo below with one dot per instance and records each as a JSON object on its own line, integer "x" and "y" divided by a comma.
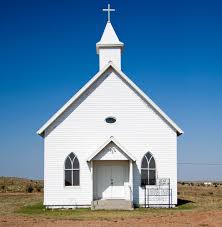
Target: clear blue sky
{"x": 173, "y": 52}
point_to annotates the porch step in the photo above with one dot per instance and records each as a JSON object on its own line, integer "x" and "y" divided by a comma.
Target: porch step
{"x": 112, "y": 204}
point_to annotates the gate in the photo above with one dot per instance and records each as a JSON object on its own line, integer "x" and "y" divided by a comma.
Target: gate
{"x": 159, "y": 194}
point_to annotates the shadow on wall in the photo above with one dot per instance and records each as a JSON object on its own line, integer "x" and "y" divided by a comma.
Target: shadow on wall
{"x": 136, "y": 186}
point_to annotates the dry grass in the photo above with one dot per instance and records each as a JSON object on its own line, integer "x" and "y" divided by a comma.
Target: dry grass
{"x": 201, "y": 197}
{"x": 198, "y": 206}
{"x": 14, "y": 184}
{"x": 191, "y": 198}
{"x": 12, "y": 202}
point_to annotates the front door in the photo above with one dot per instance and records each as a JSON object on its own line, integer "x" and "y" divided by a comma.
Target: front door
{"x": 110, "y": 181}
{"x": 117, "y": 182}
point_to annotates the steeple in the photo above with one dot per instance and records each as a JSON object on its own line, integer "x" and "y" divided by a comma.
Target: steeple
{"x": 109, "y": 48}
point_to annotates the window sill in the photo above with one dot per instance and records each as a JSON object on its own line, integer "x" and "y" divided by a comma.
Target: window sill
{"x": 72, "y": 187}
{"x": 149, "y": 185}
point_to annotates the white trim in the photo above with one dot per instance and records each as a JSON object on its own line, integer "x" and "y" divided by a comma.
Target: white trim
{"x": 72, "y": 169}
{"x": 148, "y": 168}
{"x": 113, "y": 46}
{"x": 73, "y": 99}
{"x": 91, "y": 168}
{"x": 111, "y": 139}
{"x": 92, "y": 81}
{"x": 131, "y": 179}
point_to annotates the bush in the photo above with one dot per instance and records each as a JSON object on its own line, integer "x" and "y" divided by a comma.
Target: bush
{"x": 38, "y": 188}
{"x": 3, "y": 187}
{"x": 29, "y": 188}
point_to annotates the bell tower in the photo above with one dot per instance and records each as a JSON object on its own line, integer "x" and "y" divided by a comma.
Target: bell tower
{"x": 109, "y": 48}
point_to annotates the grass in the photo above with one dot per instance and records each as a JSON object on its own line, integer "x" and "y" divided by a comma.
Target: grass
{"x": 87, "y": 214}
{"x": 202, "y": 197}
{"x": 15, "y": 184}
{"x": 10, "y": 203}
{"x": 191, "y": 198}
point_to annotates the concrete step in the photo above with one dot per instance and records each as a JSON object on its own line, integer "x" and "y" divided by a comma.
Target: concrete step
{"x": 112, "y": 204}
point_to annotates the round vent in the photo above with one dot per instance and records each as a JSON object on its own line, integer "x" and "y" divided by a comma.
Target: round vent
{"x": 110, "y": 120}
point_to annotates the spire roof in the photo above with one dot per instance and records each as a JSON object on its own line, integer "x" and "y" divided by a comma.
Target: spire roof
{"x": 109, "y": 38}
{"x": 109, "y": 35}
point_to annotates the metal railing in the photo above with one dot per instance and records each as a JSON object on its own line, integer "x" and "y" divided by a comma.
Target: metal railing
{"x": 159, "y": 194}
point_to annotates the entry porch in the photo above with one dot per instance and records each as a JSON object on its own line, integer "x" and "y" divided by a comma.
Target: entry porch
{"x": 112, "y": 177}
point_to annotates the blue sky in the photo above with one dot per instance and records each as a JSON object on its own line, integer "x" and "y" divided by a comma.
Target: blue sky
{"x": 173, "y": 52}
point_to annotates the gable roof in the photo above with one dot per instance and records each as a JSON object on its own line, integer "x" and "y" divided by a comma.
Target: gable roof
{"x": 128, "y": 81}
{"x": 111, "y": 139}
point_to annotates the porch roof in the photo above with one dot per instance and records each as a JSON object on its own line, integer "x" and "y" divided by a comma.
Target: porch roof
{"x": 112, "y": 139}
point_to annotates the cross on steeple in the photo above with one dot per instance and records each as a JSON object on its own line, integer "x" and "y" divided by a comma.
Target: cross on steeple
{"x": 108, "y": 11}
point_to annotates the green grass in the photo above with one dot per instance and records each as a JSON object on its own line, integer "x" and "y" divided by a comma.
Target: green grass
{"x": 187, "y": 206}
{"x": 192, "y": 198}
{"x": 87, "y": 214}
{"x": 38, "y": 209}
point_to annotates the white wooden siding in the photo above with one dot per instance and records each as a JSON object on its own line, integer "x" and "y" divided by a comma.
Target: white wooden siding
{"x": 82, "y": 129}
{"x": 109, "y": 54}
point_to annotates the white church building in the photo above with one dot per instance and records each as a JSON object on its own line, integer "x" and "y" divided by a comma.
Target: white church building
{"x": 110, "y": 145}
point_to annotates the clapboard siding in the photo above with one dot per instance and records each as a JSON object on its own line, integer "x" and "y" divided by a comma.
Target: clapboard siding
{"x": 82, "y": 129}
{"x": 107, "y": 54}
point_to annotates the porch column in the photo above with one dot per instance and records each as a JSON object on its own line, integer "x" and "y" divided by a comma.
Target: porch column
{"x": 131, "y": 179}
{"x": 91, "y": 168}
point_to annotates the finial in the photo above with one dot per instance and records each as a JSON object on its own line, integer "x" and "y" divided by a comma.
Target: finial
{"x": 108, "y": 10}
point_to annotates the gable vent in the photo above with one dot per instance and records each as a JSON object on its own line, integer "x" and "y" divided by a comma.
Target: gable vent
{"x": 110, "y": 120}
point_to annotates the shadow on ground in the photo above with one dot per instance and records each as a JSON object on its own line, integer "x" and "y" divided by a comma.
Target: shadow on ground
{"x": 181, "y": 202}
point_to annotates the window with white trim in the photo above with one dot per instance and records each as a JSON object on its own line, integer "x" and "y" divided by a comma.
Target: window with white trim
{"x": 71, "y": 170}
{"x": 148, "y": 170}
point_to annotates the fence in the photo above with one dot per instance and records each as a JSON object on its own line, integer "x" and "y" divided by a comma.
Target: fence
{"x": 159, "y": 194}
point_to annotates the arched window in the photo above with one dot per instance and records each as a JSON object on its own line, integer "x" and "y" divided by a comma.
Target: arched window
{"x": 71, "y": 170}
{"x": 148, "y": 170}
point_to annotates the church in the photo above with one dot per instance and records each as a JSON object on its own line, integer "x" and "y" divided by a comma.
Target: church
{"x": 110, "y": 146}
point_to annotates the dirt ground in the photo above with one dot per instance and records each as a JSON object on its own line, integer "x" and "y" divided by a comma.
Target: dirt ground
{"x": 189, "y": 218}
{"x": 198, "y": 206}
